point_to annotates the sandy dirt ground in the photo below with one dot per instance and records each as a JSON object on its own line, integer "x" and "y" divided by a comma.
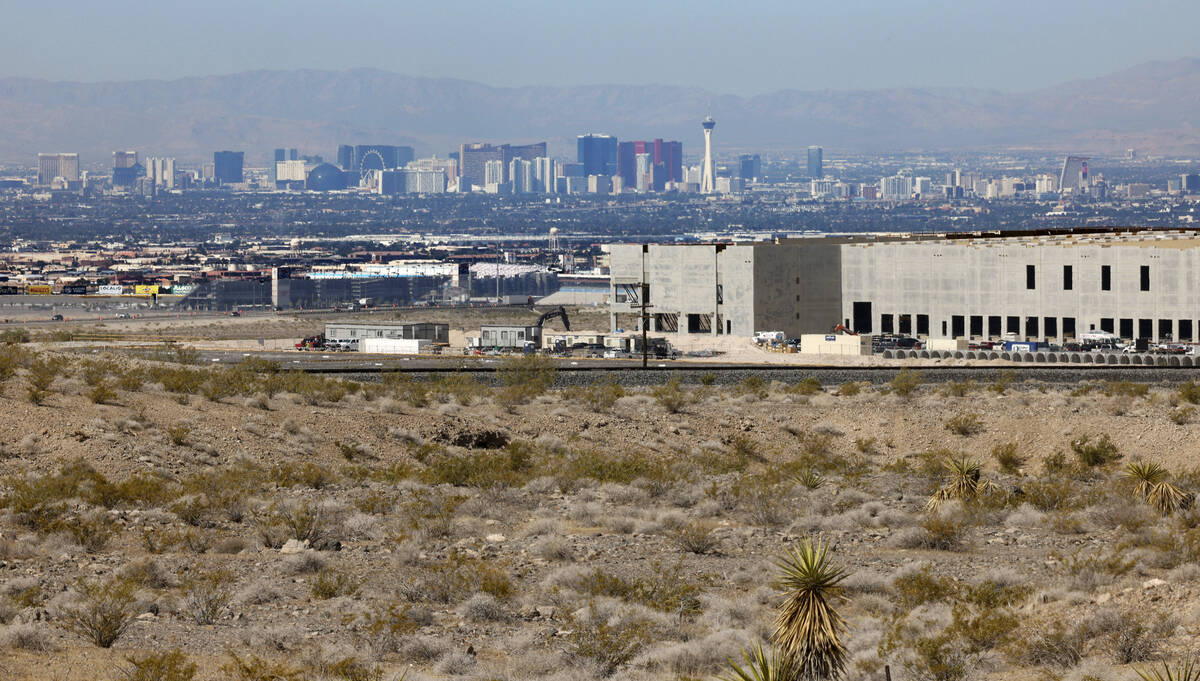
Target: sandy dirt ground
{"x": 441, "y": 550}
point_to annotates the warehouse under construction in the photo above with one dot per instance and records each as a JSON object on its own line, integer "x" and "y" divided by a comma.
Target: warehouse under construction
{"x": 1045, "y": 285}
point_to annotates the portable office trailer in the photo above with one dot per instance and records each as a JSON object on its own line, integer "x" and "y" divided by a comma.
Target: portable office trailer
{"x": 430, "y": 331}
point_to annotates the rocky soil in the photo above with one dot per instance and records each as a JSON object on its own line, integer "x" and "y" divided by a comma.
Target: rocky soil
{"x": 453, "y": 531}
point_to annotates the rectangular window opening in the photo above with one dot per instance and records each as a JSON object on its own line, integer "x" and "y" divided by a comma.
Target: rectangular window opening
{"x": 1068, "y": 278}
{"x": 1106, "y": 277}
{"x": 995, "y": 326}
{"x": 1030, "y": 277}
{"x": 1145, "y": 328}
{"x": 922, "y": 325}
{"x": 1145, "y": 277}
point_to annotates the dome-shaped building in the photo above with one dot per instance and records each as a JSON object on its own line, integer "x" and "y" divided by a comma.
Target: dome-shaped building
{"x": 325, "y": 178}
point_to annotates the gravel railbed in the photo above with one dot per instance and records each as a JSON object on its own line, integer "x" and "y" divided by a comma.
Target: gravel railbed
{"x": 836, "y": 376}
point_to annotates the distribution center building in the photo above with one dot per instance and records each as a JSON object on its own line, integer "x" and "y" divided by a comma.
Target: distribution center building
{"x": 1053, "y": 285}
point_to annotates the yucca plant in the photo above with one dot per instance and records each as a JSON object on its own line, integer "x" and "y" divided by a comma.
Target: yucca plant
{"x": 808, "y": 629}
{"x": 1166, "y": 498}
{"x": 1145, "y": 475}
{"x": 1151, "y": 485}
{"x": 810, "y": 478}
{"x": 964, "y": 482}
{"x": 1187, "y": 669}
{"x": 761, "y": 666}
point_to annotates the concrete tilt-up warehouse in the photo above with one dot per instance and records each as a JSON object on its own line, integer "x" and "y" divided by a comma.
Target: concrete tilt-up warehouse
{"x": 1053, "y": 285}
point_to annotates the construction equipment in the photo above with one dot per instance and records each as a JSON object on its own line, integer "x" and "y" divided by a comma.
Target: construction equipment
{"x": 841, "y": 328}
{"x": 316, "y": 342}
{"x": 561, "y": 313}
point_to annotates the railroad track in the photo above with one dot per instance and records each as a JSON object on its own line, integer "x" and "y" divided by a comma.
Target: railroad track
{"x": 827, "y": 375}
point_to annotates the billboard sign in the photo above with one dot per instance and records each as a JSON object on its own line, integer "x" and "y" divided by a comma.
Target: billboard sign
{"x": 146, "y": 290}
{"x": 40, "y": 289}
{"x": 110, "y": 290}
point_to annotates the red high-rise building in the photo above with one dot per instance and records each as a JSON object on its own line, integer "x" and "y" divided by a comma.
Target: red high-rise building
{"x": 666, "y": 159}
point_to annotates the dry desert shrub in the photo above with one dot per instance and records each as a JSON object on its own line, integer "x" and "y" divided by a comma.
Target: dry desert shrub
{"x": 208, "y": 594}
{"x": 1127, "y": 637}
{"x": 305, "y": 562}
{"x": 1008, "y": 457}
{"x": 906, "y": 382}
{"x": 672, "y": 397}
{"x": 43, "y": 371}
{"x": 172, "y": 665}
{"x": 302, "y": 521}
{"x": 102, "y": 611}
{"x": 850, "y": 388}
{"x": 26, "y": 636}
{"x": 147, "y": 573}
{"x": 1095, "y": 452}
{"x": 178, "y": 433}
{"x": 1181, "y": 415}
{"x": 695, "y": 537}
{"x": 524, "y": 378}
{"x": 553, "y": 549}
{"x": 251, "y": 667}
{"x": 966, "y": 424}
{"x": 943, "y": 529}
{"x": 607, "y": 642}
{"x": 695, "y": 658}
{"x": 331, "y": 583}
{"x": 229, "y": 545}
{"x": 1055, "y": 644}
{"x": 260, "y": 592}
{"x": 453, "y": 578}
{"x": 957, "y": 388}
{"x": 481, "y": 607}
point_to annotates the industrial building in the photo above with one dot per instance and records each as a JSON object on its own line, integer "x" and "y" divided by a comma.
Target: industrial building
{"x": 1045, "y": 285}
{"x": 390, "y": 284}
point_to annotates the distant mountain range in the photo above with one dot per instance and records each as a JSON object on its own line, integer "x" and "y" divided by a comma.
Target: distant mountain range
{"x": 1154, "y": 107}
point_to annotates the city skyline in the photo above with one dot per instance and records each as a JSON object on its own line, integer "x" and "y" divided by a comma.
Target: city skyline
{"x": 1145, "y": 106}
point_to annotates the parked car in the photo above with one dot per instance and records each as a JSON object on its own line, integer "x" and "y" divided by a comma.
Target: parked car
{"x": 56, "y": 318}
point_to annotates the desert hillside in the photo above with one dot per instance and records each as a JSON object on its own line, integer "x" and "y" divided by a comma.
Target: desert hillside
{"x": 252, "y": 523}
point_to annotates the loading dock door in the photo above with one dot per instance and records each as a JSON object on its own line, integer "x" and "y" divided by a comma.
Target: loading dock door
{"x": 862, "y": 317}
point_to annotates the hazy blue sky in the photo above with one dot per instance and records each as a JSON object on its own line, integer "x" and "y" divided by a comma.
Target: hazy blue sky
{"x": 727, "y": 46}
